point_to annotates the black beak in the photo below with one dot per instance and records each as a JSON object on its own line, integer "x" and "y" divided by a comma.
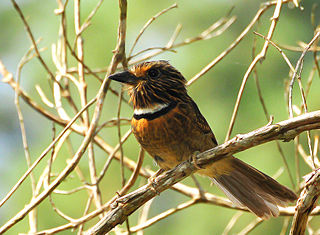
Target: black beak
{"x": 124, "y": 77}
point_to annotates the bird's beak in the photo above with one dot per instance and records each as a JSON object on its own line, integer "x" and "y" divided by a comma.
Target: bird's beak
{"x": 124, "y": 77}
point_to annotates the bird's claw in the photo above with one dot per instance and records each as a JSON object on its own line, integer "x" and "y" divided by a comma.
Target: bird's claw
{"x": 152, "y": 180}
{"x": 193, "y": 159}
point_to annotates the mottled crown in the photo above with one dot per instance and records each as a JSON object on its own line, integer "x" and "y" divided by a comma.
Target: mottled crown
{"x": 157, "y": 82}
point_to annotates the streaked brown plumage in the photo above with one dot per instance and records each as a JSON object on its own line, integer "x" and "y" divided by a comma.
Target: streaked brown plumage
{"x": 169, "y": 126}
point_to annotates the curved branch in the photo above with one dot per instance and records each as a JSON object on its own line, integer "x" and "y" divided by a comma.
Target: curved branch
{"x": 306, "y": 203}
{"x": 125, "y": 206}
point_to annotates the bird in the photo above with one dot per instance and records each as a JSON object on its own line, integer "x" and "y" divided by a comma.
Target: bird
{"x": 170, "y": 127}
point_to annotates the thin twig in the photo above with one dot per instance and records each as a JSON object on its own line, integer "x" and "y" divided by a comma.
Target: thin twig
{"x": 144, "y": 215}
{"x": 82, "y": 88}
{"x": 148, "y": 24}
{"x": 163, "y": 215}
{"x": 134, "y": 175}
{"x": 255, "y": 75}
{"x": 251, "y": 226}
{"x": 111, "y": 156}
{"x": 258, "y": 58}
{"x": 264, "y": 7}
{"x": 85, "y": 212}
{"x": 296, "y": 71}
{"x": 43, "y": 97}
{"x": 279, "y": 49}
{"x": 24, "y": 60}
{"x": 232, "y": 222}
{"x": 26, "y": 25}
{"x": 285, "y": 226}
{"x": 123, "y": 180}
{"x": 87, "y": 21}
{"x": 43, "y": 154}
{"x": 223, "y": 24}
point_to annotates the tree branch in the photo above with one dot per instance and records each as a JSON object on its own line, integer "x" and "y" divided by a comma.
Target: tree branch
{"x": 306, "y": 203}
{"x": 126, "y": 205}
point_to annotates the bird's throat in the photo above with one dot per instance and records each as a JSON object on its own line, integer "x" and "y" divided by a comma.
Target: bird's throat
{"x": 153, "y": 112}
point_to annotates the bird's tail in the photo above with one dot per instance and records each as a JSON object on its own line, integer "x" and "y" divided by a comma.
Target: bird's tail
{"x": 248, "y": 187}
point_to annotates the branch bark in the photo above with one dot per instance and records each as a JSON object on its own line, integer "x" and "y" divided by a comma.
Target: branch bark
{"x": 126, "y": 205}
{"x": 306, "y": 203}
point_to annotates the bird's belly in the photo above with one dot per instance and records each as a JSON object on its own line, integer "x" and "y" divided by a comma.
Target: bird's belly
{"x": 166, "y": 138}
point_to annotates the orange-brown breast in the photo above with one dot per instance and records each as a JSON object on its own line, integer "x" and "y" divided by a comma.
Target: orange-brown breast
{"x": 174, "y": 136}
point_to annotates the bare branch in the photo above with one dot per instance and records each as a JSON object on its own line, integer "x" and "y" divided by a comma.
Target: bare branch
{"x": 148, "y": 23}
{"x": 258, "y": 58}
{"x": 306, "y": 203}
{"x": 234, "y": 43}
{"x": 298, "y": 69}
{"x": 16, "y": 6}
{"x": 285, "y": 130}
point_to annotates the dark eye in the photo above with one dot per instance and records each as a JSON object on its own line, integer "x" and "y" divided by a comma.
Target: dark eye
{"x": 153, "y": 73}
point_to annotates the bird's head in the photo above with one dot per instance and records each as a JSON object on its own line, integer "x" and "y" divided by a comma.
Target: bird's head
{"x": 153, "y": 83}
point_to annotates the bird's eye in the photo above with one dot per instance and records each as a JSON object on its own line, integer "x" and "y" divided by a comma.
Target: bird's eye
{"x": 153, "y": 73}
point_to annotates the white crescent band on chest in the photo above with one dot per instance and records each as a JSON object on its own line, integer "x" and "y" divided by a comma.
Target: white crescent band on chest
{"x": 151, "y": 110}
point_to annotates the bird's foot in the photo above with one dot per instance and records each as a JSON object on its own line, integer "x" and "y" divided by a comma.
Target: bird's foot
{"x": 152, "y": 180}
{"x": 193, "y": 159}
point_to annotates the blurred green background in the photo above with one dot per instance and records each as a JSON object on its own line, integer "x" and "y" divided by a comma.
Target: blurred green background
{"x": 215, "y": 94}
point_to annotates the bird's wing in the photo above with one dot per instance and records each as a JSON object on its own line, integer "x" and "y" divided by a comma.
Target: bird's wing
{"x": 200, "y": 122}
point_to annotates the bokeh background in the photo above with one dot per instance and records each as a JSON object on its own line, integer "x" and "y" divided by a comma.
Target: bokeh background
{"x": 215, "y": 94}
